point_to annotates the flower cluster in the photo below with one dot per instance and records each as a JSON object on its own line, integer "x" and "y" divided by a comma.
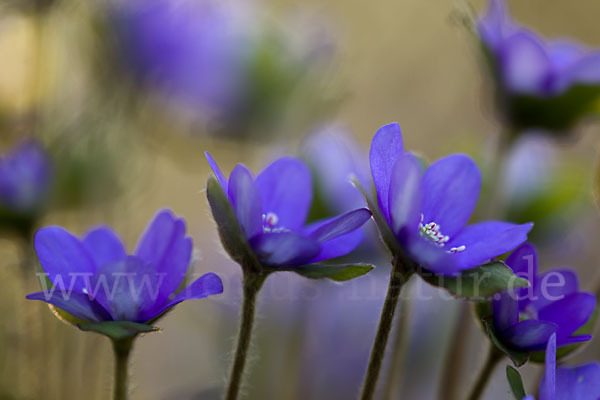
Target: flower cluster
{"x": 541, "y": 83}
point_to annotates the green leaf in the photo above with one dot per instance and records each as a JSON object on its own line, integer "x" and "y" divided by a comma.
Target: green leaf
{"x": 515, "y": 382}
{"x": 518, "y": 357}
{"x": 478, "y": 283}
{"x": 230, "y": 232}
{"x": 585, "y": 329}
{"x": 117, "y": 330}
{"x": 338, "y": 273}
{"x": 386, "y": 234}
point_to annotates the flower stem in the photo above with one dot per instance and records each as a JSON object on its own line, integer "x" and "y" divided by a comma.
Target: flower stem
{"x": 122, "y": 349}
{"x": 252, "y": 283}
{"x": 494, "y": 356}
{"x": 397, "y": 280}
{"x": 395, "y": 372}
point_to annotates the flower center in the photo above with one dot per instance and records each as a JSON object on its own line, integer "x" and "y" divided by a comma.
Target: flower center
{"x": 270, "y": 221}
{"x": 431, "y": 231}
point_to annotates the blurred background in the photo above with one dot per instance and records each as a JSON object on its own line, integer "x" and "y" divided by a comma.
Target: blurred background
{"x": 122, "y": 98}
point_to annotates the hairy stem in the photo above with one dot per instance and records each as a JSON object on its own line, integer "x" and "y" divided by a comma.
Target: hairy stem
{"x": 484, "y": 375}
{"x": 395, "y": 372}
{"x": 122, "y": 349}
{"x": 397, "y": 280}
{"x": 252, "y": 284}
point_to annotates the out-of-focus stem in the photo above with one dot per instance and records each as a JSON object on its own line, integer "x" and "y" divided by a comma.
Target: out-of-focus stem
{"x": 397, "y": 280}
{"x": 484, "y": 375}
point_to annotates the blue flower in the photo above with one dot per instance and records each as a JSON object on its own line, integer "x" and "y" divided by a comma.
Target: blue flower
{"x": 96, "y": 280}
{"x": 427, "y": 210}
{"x": 527, "y": 318}
{"x": 568, "y": 383}
{"x": 192, "y": 51}
{"x": 271, "y": 210}
{"x": 25, "y": 179}
{"x": 541, "y": 83}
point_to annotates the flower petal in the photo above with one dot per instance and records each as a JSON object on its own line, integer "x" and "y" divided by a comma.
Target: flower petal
{"x": 340, "y": 225}
{"x": 285, "y": 248}
{"x": 506, "y": 310}
{"x": 63, "y": 258}
{"x": 405, "y": 195}
{"x": 339, "y": 246}
{"x": 450, "y": 191}
{"x": 586, "y": 70}
{"x": 493, "y": 25}
{"x": 430, "y": 256}
{"x": 245, "y": 200}
{"x": 578, "y": 383}
{"x": 104, "y": 245}
{"x": 525, "y": 66}
{"x": 548, "y": 383}
{"x": 77, "y": 304}
{"x": 207, "y": 285}
{"x": 552, "y": 286}
{"x": 570, "y": 313}
{"x": 166, "y": 248}
{"x": 285, "y": 188}
{"x": 486, "y": 240}
{"x": 127, "y": 289}
{"x": 217, "y": 171}
{"x": 529, "y": 334}
{"x": 386, "y": 148}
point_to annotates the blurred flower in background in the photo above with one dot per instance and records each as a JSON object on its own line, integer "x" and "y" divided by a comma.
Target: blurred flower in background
{"x": 549, "y": 84}
{"x": 222, "y": 64}
{"x": 26, "y": 175}
{"x": 540, "y": 185}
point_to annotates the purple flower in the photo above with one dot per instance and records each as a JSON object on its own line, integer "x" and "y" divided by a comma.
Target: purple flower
{"x": 25, "y": 178}
{"x": 526, "y": 318}
{"x": 529, "y": 64}
{"x": 271, "y": 210}
{"x": 96, "y": 280}
{"x": 568, "y": 383}
{"x": 543, "y": 83}
{"x": 427, "y": 211}
{"x": 335, "y": 157}
{"x": 194, "y": 51}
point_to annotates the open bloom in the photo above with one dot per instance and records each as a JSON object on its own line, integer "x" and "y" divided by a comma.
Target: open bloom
{"x": 528, "y": 67}
{"x": 427, "y": 211}
{"x": 526, "y": 318}
{"x": 25, "y": 178}
{"x": 272, "y": 208}
{"x": 96, "y": 280}
{"x": 568, "y": 383}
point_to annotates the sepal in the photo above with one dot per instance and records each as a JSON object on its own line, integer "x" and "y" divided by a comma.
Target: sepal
{"x": 477, "y": 283}
{"x": 118, "y": 330}
{"x": 231, "y": 234}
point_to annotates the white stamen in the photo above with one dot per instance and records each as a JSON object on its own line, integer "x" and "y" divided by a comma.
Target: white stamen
{"x": 270, "y": 221}
{"x": 432, "y": 231}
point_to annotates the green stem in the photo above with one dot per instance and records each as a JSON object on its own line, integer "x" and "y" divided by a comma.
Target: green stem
{"x": 397, "y": 280}
{"x": 122, "y": 349}
{"x": 252, "y": 283}
{"x": 395, "y": 372}
{"x": 486, "y": 372}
